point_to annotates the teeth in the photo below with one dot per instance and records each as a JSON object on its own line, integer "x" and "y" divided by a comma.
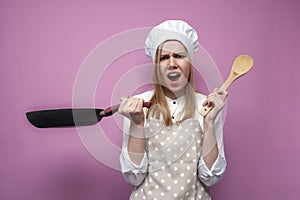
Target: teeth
{"x": 173, "y": 76}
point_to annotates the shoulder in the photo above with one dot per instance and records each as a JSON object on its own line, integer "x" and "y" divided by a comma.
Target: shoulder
{"x": 145, "y": 95}
{"x": 200, "y": 97}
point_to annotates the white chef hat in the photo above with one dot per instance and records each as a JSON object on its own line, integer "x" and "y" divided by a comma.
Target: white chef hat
{"x": 172, "y": 30}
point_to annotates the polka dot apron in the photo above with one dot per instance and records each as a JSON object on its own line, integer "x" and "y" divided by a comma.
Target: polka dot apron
{"x": 173, "y": 154}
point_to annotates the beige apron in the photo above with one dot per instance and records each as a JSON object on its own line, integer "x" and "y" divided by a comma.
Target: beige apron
{"x": 173, "y": 154}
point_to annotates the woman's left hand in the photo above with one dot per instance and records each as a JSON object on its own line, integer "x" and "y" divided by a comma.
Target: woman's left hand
{"x": 217, "y": 100}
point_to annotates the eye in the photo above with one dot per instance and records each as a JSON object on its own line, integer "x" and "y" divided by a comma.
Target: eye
{"x": 164, "y": 57}
{"x": 179, "y": 56}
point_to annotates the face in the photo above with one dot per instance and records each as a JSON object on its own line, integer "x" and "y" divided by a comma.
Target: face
{"x": 174, "y": 69}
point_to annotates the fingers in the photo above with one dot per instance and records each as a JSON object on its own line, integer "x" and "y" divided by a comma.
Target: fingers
{"x": 218, "y": 96}
{"x": 131, "y": 106}
{"x": 135, "y": 105}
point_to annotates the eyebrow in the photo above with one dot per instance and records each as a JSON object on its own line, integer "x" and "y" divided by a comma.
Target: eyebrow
{"x": 180, "y": 52}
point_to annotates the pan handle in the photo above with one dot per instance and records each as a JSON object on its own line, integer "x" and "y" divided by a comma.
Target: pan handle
{"x": 113, "y": 109}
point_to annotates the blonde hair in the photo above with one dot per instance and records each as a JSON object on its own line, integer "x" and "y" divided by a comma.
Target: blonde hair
{"x": 160, "y": 106}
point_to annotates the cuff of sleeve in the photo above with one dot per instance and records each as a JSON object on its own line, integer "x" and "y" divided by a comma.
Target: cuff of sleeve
{"x": 211, "y": 176}
{"x": 128, "y": 166}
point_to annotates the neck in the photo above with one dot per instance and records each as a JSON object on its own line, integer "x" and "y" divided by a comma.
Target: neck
{"x": 173, "y": 95}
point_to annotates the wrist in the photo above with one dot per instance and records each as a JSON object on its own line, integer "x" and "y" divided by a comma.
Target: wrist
{"x": 208, "y": 121}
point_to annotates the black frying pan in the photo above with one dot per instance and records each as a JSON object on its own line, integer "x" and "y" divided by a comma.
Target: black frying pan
{"x": 71, "y": 117}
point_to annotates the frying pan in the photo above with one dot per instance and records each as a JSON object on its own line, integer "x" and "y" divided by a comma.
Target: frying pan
{"x": 71, "y": 117}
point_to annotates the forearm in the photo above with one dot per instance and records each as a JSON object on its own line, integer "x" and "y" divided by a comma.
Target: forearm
{"x": 136, "y": 143}
{"x": 210, "y": 148}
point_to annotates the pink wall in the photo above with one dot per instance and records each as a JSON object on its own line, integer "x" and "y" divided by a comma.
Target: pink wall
{"x": 43, "y": 46}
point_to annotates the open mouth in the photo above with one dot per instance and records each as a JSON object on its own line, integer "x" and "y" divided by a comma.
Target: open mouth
{"x": 174, "y": 76}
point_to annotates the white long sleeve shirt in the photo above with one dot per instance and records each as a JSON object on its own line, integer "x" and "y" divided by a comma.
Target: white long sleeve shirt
{"x": 135, "y": 174}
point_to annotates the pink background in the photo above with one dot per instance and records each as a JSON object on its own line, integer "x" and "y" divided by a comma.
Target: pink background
{"x": 43, "y": 44}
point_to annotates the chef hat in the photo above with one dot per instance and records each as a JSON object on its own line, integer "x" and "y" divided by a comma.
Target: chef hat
{"x": 172, "y": 30}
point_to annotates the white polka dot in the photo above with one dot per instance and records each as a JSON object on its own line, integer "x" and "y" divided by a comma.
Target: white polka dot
{"x": 182, "y": 174}
{"x": 162, "y": 180}
{"x": 194, "y": 173}
{"x": 182, "y": 188}
{"x": 162, "y": 194}
{"x": 198, "y": 141}
{"x": 188, "y": 154}
{"x": 168, "y": 149}
{"x": 168, "y": 138}
{"x": 156, "y": 187}
{"x": 169, "y": 188}
{"x": 175, "y": 155}
{"x": 162, "y": 132}
{"x": 188, "y": 180}
{"x": 151, "y": 130}
{"x": 191, "y": 123}
{"x": 174, "y": 133}
{"x": 156, "y": 137}
{"x": 181, "y": 148}
{"x": 194, "y": 148}
{"x": 150, "y": 180}
{"x": 175, "y": 143}
{"x": 188, "y": 167}
{"x": 163, "y": 168}
{"x": 181, "y": 161}
{"x": 194, "y": 160}
{"x": 156, "y": 149}
{"x": 193, "y": 186}
{"x": 169, "y": 162}
{"x": 169, "y": 175}
{"x": 187, "y": 194}
{"x": 156, "y": 174}
{"x": 150, "y": 192}
{"x": 181, "y": 137}
{"x": 175, "y": 168}
{"x": 192, "y": 198}
{"x": 162, "y": 143}
{"x": 144, "y": 197}
{"x": 186, "y": 130}
{"x": 142, "y": 190}
{"x": 136, "y": 194}
{"x": 199, "y": 196}
{"x": 146, "y": 184}
{"x": 149, "y": 143}
{"x": 175, "y": 181}
{"x": 175, "y": 195}
{"x": 197, "y": 130}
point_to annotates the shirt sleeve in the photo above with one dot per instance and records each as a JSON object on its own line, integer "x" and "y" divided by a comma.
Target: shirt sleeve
{"x": 211, "y": 176}
{"x": 133, "y": 174}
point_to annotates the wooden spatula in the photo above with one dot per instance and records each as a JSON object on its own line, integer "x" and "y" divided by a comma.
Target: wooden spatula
{"x": 241, "y": 65}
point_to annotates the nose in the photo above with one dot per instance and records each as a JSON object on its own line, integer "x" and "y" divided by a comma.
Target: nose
{"x": 172, "y": 62}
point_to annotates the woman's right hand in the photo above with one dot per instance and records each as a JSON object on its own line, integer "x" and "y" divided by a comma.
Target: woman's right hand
{"x": 132, "y": 108}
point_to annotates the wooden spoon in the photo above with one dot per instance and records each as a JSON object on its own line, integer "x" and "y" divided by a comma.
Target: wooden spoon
{"x": 241, "y": 65}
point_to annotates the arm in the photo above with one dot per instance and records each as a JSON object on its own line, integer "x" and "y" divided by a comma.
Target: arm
{"x": 210, "y": 149}
{"x": 212, "y": 163}
{"x": 133, "y": 158}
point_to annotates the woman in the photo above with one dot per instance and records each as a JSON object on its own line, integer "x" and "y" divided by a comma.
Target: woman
{"x": 170, "y": 151}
